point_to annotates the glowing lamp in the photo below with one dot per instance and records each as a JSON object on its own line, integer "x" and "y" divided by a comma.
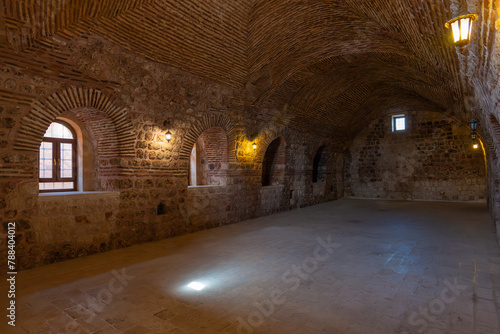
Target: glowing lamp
{"x": 461, "y": 27}
{"x": 168, "y": 136}
{"x": 254, "y": 145}
{"x": 475, "y": 146}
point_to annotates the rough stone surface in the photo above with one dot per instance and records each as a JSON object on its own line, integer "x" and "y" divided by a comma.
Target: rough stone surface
{"x": 313, "y": 74}
{"x": 153, "y": 200}
{"x": 432, "y": 159}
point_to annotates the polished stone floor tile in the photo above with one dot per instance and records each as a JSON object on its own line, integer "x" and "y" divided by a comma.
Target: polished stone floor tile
{"x": 350, "y": 266}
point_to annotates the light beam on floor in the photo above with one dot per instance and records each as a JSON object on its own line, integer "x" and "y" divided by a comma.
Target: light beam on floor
{"x": 196, "y": 286}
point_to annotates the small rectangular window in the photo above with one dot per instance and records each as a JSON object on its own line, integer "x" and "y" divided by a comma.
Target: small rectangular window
{"x": 398, "y": 123}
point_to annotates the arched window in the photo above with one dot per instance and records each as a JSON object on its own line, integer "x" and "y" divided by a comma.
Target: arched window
{"x": 273, "y": 165}
{"x": 58, "y": 159}
{"x": 319, "y": 165}
{"x": 209, "y": 161}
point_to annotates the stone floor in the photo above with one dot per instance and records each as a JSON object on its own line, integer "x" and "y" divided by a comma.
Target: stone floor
{"x": 350, "y": 266}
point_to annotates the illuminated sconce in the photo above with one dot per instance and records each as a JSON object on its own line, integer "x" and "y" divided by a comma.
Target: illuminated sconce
{"x": 461, "y": 25}
{"x": 475, "y": 145}
{"x": 254, "y": 145}
{"x": 168, "y": 135}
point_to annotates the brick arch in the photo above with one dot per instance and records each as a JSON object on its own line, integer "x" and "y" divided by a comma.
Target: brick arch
{"x": 269, "y": 172}
{"x": 207, "y": 122}
{"x": 314, "y": 148}
{"x": 34, "y": 125}
{"x": 268, "y": 139}
{"x": 102, "y": 131}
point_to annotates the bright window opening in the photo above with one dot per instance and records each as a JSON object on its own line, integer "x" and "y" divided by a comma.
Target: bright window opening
{"x": 398, "y": 123}
{"x": 57, "y": 159}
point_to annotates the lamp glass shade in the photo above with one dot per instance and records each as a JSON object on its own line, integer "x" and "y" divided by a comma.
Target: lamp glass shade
{"x": 254, "y": 145}
{"x": 461, "y": 27}
{"x": 473, "y": 125}
{"x": 455, "y": 27}
{"x": 168, "y": 136}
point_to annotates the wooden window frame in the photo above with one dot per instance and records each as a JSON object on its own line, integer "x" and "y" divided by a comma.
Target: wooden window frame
{"x": 56, "y": 160}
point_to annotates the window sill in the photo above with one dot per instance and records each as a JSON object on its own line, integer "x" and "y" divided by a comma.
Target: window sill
{"x": 273, "y": 186}
{"x": 206, "y": 186}
{"x": 79, "y": 194}
{"x": 206, "y": 190}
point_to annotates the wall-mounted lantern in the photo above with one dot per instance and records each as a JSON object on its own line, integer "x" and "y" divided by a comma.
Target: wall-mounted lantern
{"x": 461, "y": 25}
{"x": 473, "y": 127}
{"x": 168, "y": 135}
{"x": 254, "y": 145}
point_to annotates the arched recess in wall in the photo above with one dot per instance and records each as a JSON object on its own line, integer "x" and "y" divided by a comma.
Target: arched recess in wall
{"x": 274, "y": 163}
{"x": 108, "y": 125}
{"x": 94, "y": 106}
{"x": 213, "y": 140}
{"x": 320, "y": 164}
{"x": 208, "y": 163}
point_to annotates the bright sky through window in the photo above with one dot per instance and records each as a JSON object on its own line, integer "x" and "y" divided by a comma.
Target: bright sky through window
{"x": 398, "y": 123}
{"x": 57, "y": 159}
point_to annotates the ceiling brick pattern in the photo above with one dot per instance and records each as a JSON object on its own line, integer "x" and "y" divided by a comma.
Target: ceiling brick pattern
{"x": 325, "y": 66}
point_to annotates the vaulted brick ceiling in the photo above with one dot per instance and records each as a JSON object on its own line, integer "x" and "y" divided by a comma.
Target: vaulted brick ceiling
{"x": 320, "y": 65}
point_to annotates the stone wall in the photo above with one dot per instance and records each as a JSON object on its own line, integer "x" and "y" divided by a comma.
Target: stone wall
{"x": 273, "y": 198}
{"x": 79, "y": 225}
{"x": 211, "y": 156}
{"x": 432, "y": 160}
{"x": 138, "y": 181}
